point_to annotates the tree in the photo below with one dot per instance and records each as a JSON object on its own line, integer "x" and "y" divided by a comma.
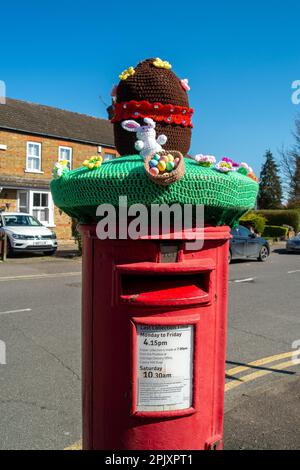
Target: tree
{"x": 294, "y": 200}
{"x": 270, "y": 191}
{"x": 290, "y": 161}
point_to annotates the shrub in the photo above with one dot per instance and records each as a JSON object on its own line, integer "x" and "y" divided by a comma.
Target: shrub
{"x": 257, "y": 221}
{"x": 77, "y": 236}
{"x": 282, "y": 217}
{"x": 274, "y": 231}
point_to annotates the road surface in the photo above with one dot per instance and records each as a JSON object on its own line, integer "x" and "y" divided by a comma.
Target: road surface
{"x": 40, "y": 387}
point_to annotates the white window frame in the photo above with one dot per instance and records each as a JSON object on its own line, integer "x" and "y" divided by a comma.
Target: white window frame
{"x": 62, "y": 147}
{"x": 23, "y": 191}
{"x": 30, "y": 193}
{"x": 107, "y": 156}
{"x": 29, "y": 170}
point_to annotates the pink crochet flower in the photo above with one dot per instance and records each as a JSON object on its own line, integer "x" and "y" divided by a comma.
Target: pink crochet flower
{"x": 205, "y": 160}
{"x": 224, "y": 166}
{"x": 247, "y": 167}
{"x": 185, "y": 84}
{"x": 228, "y": 160}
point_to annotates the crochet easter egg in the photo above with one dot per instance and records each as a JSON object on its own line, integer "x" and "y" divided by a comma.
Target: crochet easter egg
{"x": 170, "y": 166}
{"x": 154, "y": 171}
{"x": 154, "y": 92}
{"x": 161, "y": 166}
{"x": 153, "y": 163}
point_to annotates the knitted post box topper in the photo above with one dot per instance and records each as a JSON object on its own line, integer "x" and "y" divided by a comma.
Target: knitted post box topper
{"x": 152, "y": 90}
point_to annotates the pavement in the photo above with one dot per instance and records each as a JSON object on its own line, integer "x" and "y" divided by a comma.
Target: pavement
{"x": 40, "y": 384}
{"x": 262, "y": 399}
{"x": 266, "y": 418}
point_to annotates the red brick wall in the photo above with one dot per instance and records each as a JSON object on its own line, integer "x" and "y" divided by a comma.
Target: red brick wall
{"x": 13, "y": 163}
{"x": 9, "y": 197}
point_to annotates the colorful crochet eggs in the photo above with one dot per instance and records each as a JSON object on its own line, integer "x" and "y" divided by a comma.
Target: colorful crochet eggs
{"x": 162, "y": 164}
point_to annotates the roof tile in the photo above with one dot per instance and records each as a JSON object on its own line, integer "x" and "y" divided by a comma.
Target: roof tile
{"x": 53, "y": 122}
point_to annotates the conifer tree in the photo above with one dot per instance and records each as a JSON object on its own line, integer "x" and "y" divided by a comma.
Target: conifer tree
{"x": 270, "y": 191}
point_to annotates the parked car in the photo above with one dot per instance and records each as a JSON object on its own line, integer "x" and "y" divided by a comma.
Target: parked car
{"x": 246, "y": 244}
{"x": 293, "y": 244}
{"x": 26, "y": 234}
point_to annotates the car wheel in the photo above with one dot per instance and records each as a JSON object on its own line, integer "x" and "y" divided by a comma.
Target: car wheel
{"x": 264, "y": 253}
{"x": 229, "y": 257}
{"x": 9, "y": 249}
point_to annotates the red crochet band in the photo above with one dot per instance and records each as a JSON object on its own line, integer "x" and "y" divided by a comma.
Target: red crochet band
{"x": 159, "y": 112}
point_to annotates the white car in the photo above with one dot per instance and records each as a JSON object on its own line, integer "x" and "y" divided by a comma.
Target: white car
{"x": 26, "y": 234}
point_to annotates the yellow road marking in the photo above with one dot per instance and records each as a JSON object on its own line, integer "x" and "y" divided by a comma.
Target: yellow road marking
{"x": 247, "y": 378}
{"x": 260, "y": 373}
{"x": 259, "y": 362}
{"x": 75, "y": 446}
{"x": 38, "y": 276}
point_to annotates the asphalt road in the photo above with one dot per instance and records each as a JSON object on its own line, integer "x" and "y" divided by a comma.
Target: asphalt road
{"x": 262, "y": 403}
{"x": 40, "y": 388}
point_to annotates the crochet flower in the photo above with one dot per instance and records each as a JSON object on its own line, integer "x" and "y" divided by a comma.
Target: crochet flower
{"x": 127, "y": 73}
{"x": 224, "y": 167}
{"x": 248, "y": 168}
{"x": 162, "y": 64}
{"x": 228, "y": 160}
{"x": 253, "y": 177}
{"x": 185, "y": 84}
{"x": 205, "y": 160}
{"x": 245, "y": 169}
{"x": 60, "y": 168}
{"x": 93, "y": 162}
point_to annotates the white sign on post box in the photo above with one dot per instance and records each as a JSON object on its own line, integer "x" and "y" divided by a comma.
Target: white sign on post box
{"x": 164, "y": 367}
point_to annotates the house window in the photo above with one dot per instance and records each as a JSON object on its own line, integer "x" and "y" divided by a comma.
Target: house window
{"x": 33, "y": 160}
{"x": 40, "y": 207}
{"x": 65, "y": 153}
{"x": 108, "y": 156}
{"x": 23, "y": 201}
{"x": 37, "y": 203}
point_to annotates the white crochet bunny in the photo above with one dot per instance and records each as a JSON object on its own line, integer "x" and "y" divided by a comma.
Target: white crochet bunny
{"x": 147, "y": 143}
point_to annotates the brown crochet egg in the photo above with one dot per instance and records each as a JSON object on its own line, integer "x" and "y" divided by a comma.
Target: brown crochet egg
{"x": 153, "y": 85}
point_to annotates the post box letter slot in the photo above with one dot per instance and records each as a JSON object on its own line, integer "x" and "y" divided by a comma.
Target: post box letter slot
{"x": 165, "y": 290}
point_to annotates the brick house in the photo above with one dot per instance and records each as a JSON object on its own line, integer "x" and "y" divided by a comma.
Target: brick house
{"x": 33, "y": 138}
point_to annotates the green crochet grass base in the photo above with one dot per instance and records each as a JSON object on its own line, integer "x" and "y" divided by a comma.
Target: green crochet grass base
{"x": 226, "y": 197}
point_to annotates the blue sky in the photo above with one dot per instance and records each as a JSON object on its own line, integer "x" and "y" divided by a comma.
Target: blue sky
{"x": 240, "y": 57}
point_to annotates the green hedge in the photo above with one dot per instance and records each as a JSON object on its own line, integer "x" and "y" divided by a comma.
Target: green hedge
{"x": 274, "y": 231}
{"x": 257, "y": 221}
{"x": 281, "y": 217}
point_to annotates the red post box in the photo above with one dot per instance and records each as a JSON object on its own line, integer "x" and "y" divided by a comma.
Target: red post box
{"x": 154, "y": 334}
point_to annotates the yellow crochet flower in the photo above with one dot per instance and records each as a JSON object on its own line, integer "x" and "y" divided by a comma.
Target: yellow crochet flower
{"x": 63, "y": 162}
{"x": 162, "y": 64}
{"x": 93, "y": 162}
{"x": 127, "y": 73}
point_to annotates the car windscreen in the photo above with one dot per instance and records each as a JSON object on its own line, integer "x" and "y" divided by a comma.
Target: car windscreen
{"x": 20, "y": 221}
